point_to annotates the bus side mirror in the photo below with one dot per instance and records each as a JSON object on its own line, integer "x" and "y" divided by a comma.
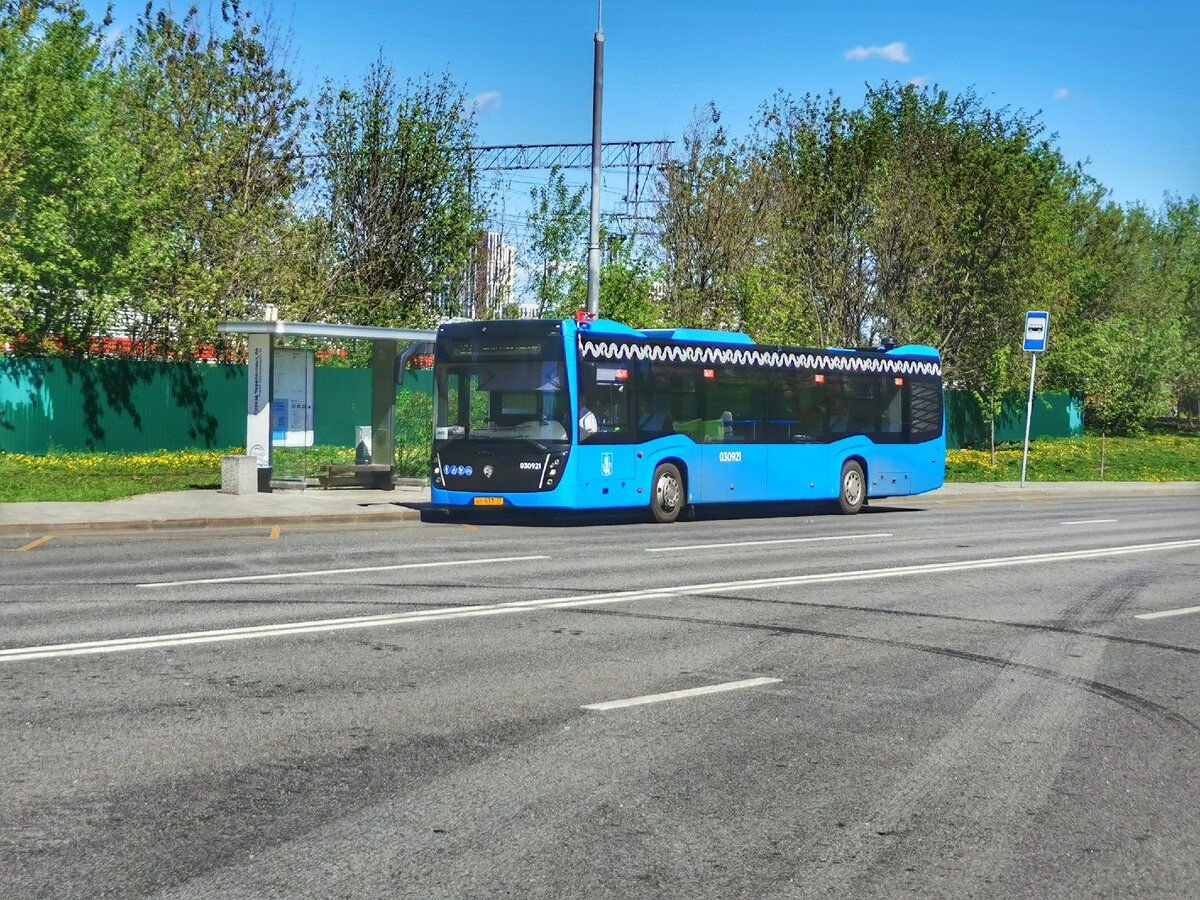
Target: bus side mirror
{"x": 418, "y": 348}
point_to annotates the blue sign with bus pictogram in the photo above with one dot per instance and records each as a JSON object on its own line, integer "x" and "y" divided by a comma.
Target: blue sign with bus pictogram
{"x": 1037, "y": 331}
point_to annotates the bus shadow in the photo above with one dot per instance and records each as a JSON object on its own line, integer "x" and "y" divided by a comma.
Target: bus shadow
{"x": 540, "y": 518}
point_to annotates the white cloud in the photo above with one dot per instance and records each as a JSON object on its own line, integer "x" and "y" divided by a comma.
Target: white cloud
{"x": 896, "y": 51}
{"x": 919, "y": 81}
{"x": 487, "y": 102}
{"x": 1062, "y": 94}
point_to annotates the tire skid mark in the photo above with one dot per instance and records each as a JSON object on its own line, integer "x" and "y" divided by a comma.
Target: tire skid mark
{"x": 1139, "y": 705}
{"x": 970, "y": 620}
{"x": 1109, "y": 598}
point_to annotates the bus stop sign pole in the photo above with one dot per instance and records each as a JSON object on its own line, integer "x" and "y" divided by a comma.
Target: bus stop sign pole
{"x": 1037, "y": 330}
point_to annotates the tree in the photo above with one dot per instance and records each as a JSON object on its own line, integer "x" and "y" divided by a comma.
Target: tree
{"x": 556, "y": 257}
{"x": 1177, "y": 268}
{"x": 215, "y": 120}
{"x": 397, "y": 182}
{"x": 819, "y": 159}
{"x": 1133, "y": 279}
{"x": 710, "y": 222}
{"x": 981, "y": 199}
{"x": 1125, "y": 366}
{"x": 64, "y": 214}
{"x": 627, "y": 283}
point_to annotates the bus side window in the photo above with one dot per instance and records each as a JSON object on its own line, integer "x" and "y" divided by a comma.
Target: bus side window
{"x": 925, "y": 408}
{"x": 735, "y": 406}
{"x": 604, "y": 404}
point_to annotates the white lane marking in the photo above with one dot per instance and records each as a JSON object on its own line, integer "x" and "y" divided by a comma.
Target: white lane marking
{"x": 314, "y": 572}
{"x": 679, "y": 695}
{"x": 1167, "y": 613}
{"x": 807, "y": 540}
{"x": 1090, "y": 522}
{"x": 518, "y": 606}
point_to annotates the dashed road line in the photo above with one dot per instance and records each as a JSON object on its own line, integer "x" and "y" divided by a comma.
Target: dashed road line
{"x": 805, "y": 540}
{"x": 1168, "y": 613}
{"x": 265, "y": 576}
{"x": 680, "y": 695}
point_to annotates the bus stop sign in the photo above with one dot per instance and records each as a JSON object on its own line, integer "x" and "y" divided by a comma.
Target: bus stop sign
{"x": 1037, "y": 331}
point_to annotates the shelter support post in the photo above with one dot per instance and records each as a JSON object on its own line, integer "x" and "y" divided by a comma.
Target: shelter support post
{"x": 383, "y": 410}
{"x": 259, "y": 381}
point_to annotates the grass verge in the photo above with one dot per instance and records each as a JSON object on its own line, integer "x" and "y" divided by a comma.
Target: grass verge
{"x": 110, "y": 476}
{"x": 1153, "y": 457}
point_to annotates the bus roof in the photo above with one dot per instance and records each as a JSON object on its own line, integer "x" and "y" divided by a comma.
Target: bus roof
{"x": 702, "y": 335}
{"x": 735, "y": 338}
{"x": 915, "y": 350}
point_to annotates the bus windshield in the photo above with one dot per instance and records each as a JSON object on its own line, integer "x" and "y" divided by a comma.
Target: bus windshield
{"x": 497, "y": 381}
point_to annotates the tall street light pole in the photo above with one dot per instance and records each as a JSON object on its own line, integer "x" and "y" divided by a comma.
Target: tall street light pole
{"x": 593, "y": 282}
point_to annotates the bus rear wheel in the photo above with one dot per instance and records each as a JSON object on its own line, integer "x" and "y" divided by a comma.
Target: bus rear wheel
{"x": 854, "y": 488}
{"x": 666, "y": 493}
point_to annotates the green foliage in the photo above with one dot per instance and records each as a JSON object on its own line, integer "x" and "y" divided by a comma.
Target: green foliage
{"x": 1131, "y": 343}
{"x": 414, "y": 421}
{"x": 402, "y": 220}
{"x": 65, "y": 216}
{"x": 930, "y": 218}
{"x": 1125, "y": 365}
{"x": 627, "y": 284}
{"x": 818, "y": 158}
{"x": 712, "y": 222}
{"x": 1177, "y": 259}
{"x": 556, "y": 256}
{"x": 557, "y": 261}
{"x": 215, "y": 122}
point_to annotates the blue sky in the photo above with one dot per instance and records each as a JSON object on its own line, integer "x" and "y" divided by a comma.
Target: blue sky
{"x": 1118, "y": 82}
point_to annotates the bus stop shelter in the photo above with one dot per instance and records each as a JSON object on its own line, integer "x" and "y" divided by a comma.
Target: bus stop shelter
{"x": 385, "y": 348}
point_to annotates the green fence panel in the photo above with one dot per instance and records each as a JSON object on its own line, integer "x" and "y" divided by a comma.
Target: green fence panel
{"x": 128, "y": 406}
{"x": 119, "y": 405}
{"x": 1055, "y": 415}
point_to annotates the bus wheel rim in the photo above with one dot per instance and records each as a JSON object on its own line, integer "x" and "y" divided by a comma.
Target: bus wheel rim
{"x": 853, "y": 485}
{"x": 667, "y": 490}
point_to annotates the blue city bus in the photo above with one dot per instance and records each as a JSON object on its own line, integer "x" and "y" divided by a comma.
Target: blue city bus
{"x": 573, "y": 415}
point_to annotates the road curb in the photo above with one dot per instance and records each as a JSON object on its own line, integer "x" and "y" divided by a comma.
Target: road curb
{"x": 201, "y": 523}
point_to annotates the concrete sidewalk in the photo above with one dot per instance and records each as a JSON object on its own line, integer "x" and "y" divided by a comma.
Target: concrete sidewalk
{"x": 312, "y": 506}
{"x": 212, "y": 509}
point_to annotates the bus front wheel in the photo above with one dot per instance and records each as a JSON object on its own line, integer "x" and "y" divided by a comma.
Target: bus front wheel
{"x": 854, "y": 488}
{"x": 666, "y": 493}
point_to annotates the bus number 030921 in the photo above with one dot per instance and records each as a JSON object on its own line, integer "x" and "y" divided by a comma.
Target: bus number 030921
{"x": 730, "y": 456}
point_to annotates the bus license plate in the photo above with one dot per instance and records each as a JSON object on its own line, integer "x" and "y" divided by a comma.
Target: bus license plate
{"x": 489, "y": 501}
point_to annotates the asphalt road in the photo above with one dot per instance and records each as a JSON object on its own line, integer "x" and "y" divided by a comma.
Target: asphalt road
{"x": 926, "y": 700}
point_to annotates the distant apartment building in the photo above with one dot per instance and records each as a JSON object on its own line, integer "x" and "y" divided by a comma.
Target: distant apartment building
{"x": 492, "y": 282}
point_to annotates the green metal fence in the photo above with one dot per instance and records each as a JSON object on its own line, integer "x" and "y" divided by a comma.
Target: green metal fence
{"x": 117, "y": 405}
{"x": 50, "y": 404}
{"x": 1055, "y": 415}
